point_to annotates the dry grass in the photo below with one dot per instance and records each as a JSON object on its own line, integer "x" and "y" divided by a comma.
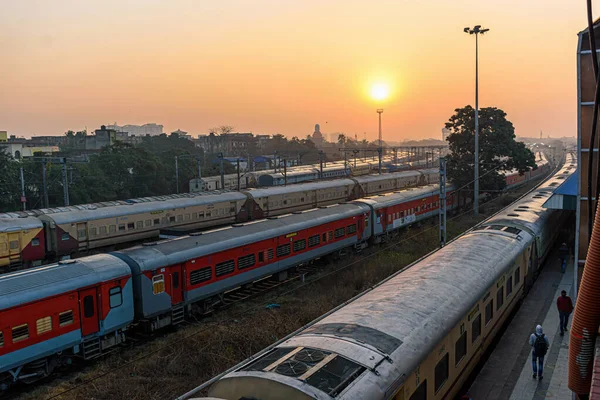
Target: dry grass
{"x": 179, "y": 361}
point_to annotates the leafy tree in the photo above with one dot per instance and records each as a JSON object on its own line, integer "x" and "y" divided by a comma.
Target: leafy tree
{"x": 498, "y": 150}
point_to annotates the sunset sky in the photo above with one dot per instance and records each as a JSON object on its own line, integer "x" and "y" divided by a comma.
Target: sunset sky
{"x": 280, "y": 66}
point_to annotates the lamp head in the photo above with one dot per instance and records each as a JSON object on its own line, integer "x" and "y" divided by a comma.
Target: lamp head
{"x": 467, "y": 29}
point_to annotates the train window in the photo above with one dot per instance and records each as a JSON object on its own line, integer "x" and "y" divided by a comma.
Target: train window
{"x": 225, "y": 267}
{"x": 200, "y": 275}
{"x": 330, "y": 236}
{"x": 283, "y": 250}
{"x": 93, "y": 231}
{"x": 339, "y": 232}
{"x": 489, "y": 312}
{"x": 43, "y": 325}
{"x": 180, "y": 218}
{"x": 351, "y": 229}
{"x": 186, "y": 217}
{"x": 81, "y": 233}
{"x": 131, "y": 226}
{"x": 35, "y": 242}
{"x": 517, "y": 275}
{"x": 65, "y": 318}
{"x": 64, "y": 237}
{"x": 157, "y": 221}
{"x": 148, "y": 223}
{"x": 20, "y": 333}
{"x": 208, "y": 214}
{"x": 441, "y": 373}
{"x": 1, "y": 339}
{"x": 88, "y": 306}
{"x": 302, "y": 199}
{"x": 158, "y": 284}
{"x": 122, "y": 228}
{"x": 300, "y": 245}
{"x": 246, "y": 261}
{"x": 112, "y": 228}
{"x": 500, "y": 298}
{"x": 476, "y": 328}
{"x": 460, "y": 348}
{"x": 333, "y": 377}
{"x": 261, "y": 257}
{"x": 194, "y": 215}
{"x": 270, "y": 254}
{"x": 115, "y": 297}
{"x": 509, "y": 286}
{"x": 324, "y": 237}
{"x": 3, "y": 247}
{"x": 139, "y": 225}
{"x": 401, "y": 214}
{"x": 172, "y": 219}
{"x": 314, "y": 241}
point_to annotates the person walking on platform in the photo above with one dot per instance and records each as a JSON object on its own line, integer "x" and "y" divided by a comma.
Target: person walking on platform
{"x": 563, "y": 253}
{"x": 539, "y": 343}
{"x": 565, "y": 308}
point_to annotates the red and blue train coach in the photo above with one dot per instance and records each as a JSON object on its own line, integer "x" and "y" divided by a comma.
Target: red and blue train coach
{"x": 50, "y": 314}
{"x": 194, "y": 270}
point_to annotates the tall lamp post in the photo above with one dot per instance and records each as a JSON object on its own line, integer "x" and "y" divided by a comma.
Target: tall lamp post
{"x": 380, "y": 111}
{"x": 476, "y": 30}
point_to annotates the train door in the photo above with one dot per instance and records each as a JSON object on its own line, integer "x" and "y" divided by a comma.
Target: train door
{"x": 14, "y": 246}
{"x": 176, "y": 284}
{"x": 88, "y": 311}
{"x": 82, "y": 235}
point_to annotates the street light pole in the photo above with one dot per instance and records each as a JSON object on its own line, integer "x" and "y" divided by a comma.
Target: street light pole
{"x": 476, "y": 31}
{"x": 380, "y": 111}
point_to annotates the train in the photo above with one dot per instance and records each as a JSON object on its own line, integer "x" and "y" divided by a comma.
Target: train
{"x": 34, "y": 237}
{"x": 420, "y": 333}
{"x": 84, "y": 307}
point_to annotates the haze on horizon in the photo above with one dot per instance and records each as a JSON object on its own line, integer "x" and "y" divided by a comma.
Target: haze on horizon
{"x": 272, "y": 66}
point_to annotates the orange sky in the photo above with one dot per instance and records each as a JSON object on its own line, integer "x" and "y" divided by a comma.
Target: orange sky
{"x": 270, "y": 66}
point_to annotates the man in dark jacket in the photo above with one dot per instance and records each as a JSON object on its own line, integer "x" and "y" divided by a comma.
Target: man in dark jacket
{"x": 565, "y": 308}
{"x": 563, "y": 253}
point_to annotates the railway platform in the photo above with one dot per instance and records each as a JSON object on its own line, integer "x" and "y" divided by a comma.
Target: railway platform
{"x": 507, "y": 374}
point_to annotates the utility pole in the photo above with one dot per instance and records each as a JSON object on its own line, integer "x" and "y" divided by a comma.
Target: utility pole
{"x": 23, "y": 199}
{"x": 45, "y": 184}
{"x": 321, "y": 164}
{"x": 65, "y": 182}
{"x": 238, "y": 174}
{"x": 177, "y": 174}
{"x": 222, "y": 171}
{"x": 284, "y": 172}
{"x": 442, "y": 199}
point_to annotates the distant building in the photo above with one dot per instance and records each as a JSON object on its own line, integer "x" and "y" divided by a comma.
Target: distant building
{"x": 230, "y": 144}
{"x": 182, "y": 134}
{"x": 151, "y": 129}
{"x": 19, "y": 148}
{"x": 317, "y": 136}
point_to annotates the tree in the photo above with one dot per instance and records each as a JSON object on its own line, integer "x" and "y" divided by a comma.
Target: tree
{"x": 342, "y": 139}
{"x": 498, "y": 150}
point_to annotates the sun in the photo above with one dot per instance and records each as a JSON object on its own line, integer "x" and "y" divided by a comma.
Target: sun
{"x": 380, "y": 91}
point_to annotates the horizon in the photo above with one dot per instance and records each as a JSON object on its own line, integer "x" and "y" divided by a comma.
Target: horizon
{"x": 271, "y": 67}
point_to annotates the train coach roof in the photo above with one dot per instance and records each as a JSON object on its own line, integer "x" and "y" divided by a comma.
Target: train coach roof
{"x": 300, "y": 187}
{"x": 136, "y": 208}
{"x": 395, "y": 198}
{"x": 19, "y": 224}
{"x": 38, "y": 283}
{"x": 179, "y": 250}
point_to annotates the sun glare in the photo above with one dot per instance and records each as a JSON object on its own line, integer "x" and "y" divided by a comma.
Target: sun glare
{"x": 380, "y": 91}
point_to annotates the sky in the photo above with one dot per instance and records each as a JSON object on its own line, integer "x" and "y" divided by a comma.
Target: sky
{"x": 281, "y": 66}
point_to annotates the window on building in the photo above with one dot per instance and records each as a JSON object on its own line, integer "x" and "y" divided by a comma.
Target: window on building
{"x": 500, "y": 298}
{"x": 441, "y": 373}
{"x": 88, "y": 306}
{"x": 20, "y": 333}
{"x": 43, "y": 325}
{"x": 65, "y": 318}
{"x": 300, "y": 245}
{"x": 130, "y": 226}
{"x": 158, "y": 284}
{"x": 509, "y": 286}
{"x": 200, "y": 275}
{"x": 115, "y": 296}
{"x": 476, "y": 328}
{"x": 489, "y": 312}
{"x": 460, "y": 348}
